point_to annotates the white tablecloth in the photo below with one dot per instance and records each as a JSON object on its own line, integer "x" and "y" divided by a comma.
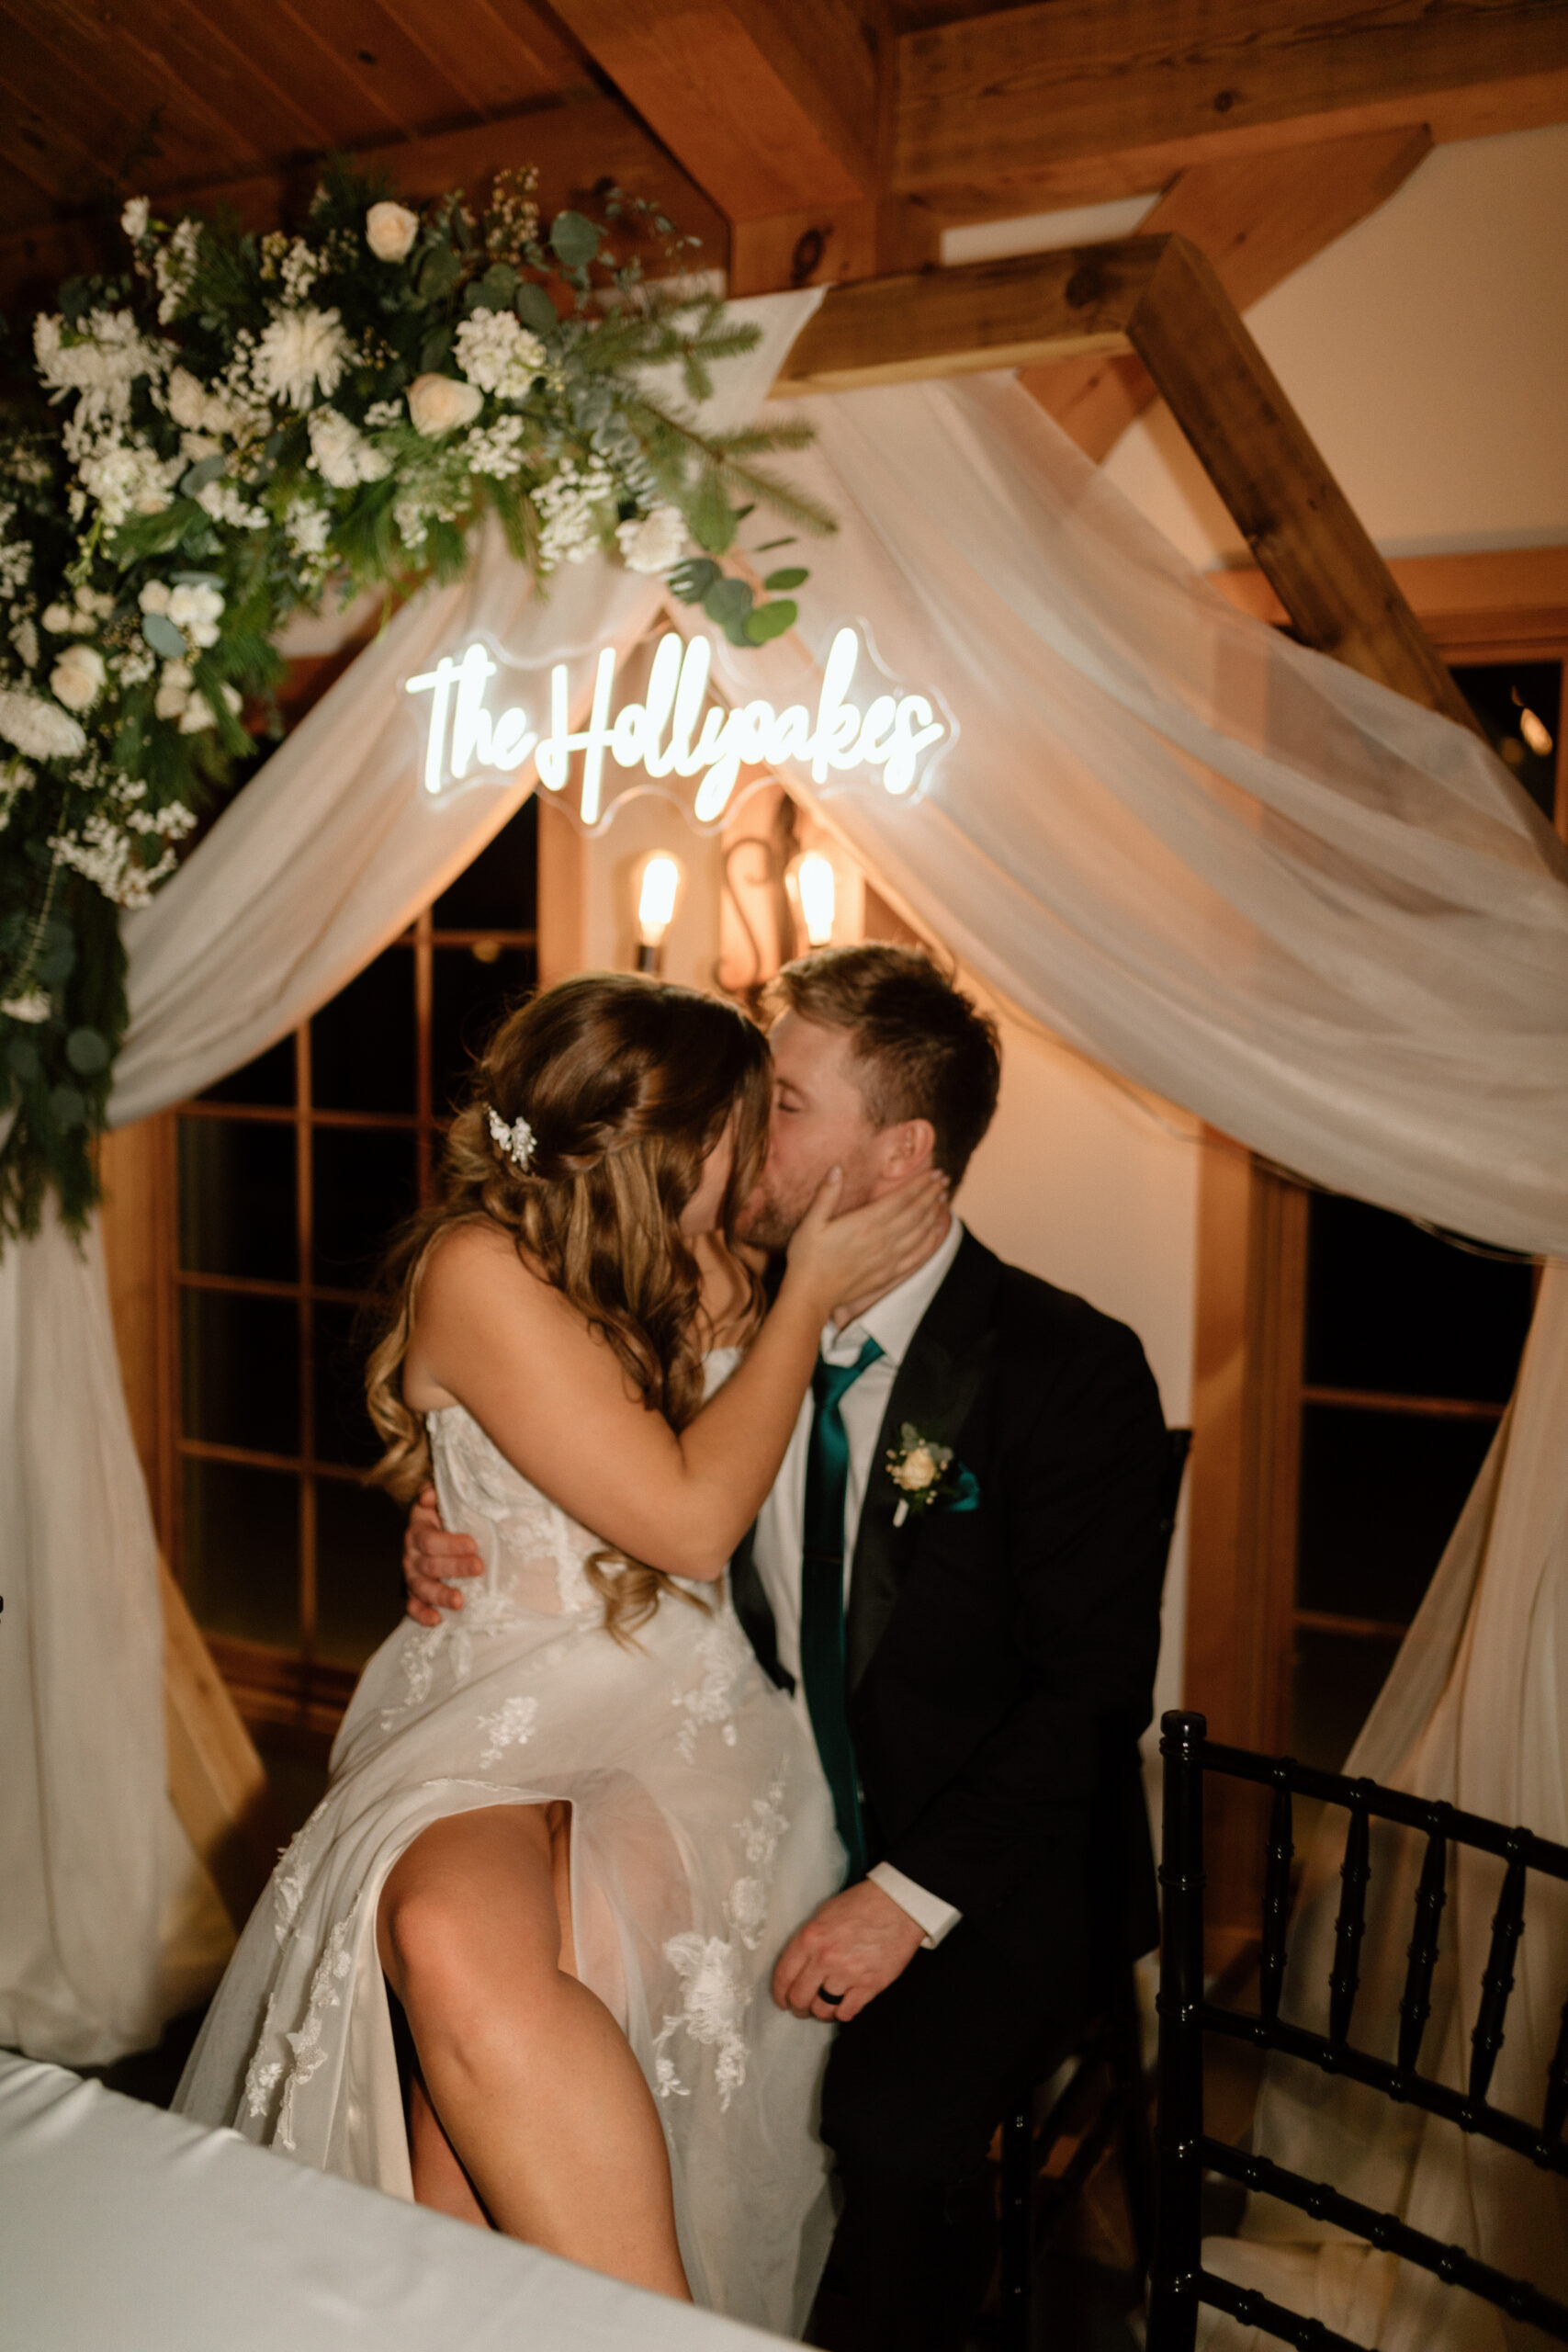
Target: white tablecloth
{"x": 126, "y": 2230}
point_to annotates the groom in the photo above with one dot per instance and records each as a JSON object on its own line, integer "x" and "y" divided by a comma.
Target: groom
{"x": 957, "y": 1577}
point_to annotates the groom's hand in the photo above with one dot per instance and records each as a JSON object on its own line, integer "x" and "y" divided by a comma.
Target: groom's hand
{"x": 856, "y": 1944}
{"x": 430, "y": 1556}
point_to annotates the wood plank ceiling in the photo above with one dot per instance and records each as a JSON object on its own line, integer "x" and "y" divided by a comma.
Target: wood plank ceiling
{"x": 801, "y": 140}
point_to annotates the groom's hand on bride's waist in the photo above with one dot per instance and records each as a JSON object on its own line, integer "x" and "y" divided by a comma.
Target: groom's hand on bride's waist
{"x": 431, "y": 1559}
{"x": 855, "y": 1945}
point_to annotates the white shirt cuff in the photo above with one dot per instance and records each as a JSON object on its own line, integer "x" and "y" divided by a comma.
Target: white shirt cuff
{"x": 927, "y": 1910}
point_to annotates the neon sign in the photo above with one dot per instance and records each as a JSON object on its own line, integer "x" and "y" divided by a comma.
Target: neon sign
{"x": 676, "y": 731}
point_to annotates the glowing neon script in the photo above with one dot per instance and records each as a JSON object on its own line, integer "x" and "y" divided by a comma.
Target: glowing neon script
{"x": 892, "y": 732}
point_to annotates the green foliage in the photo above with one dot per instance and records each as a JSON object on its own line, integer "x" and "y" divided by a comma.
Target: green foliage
{"x": 235, "y": 428}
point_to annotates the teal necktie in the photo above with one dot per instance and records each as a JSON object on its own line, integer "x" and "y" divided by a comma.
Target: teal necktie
{"x": 822, "y": 1596}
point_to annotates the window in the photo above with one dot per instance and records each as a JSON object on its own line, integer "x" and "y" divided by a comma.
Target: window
{"x": 289, "y": 1175}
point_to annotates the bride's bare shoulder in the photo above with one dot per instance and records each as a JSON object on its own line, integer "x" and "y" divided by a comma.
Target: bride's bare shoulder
{"x": 476, "y": 1264}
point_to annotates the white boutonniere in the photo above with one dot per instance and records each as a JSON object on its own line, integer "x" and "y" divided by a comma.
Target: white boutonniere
{"x": 924, "y": 1471}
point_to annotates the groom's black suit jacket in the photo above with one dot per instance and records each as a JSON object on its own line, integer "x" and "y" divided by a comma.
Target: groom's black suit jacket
{"x": 1001, "y": 1660}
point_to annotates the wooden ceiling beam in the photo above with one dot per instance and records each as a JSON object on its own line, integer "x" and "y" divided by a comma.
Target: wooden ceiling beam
{"x": 771, "y": 109}
{"x": 1079, "y": 100}
{"x": 1257, "y": 218}
{"x": 590, "y": 135}
{"x": 1160, "y": 297}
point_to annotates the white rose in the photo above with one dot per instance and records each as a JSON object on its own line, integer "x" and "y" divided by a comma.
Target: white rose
{"x": 917, "y": 1470}
{"x": 188, "y": 401}
{"x": 197, "y": 716}
{"x": 653, "y": 542}
{"x": 78, "y": 677}
{"x": 59, "y": 619}
{"x": 439, "y": 405}
{"x": 390, "y": 230}
{"x": 173, "y": 690}
{"x": 155, "y": 597}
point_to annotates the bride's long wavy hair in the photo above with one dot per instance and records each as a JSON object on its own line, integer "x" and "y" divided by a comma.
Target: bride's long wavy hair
{"x": 627, "y": 1086}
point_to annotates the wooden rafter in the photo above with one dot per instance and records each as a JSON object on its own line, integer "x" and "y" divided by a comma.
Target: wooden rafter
{"x": 1092, "y": 98}
{"x": 1257, "y": 218}
{"x": 1159, "y": 298}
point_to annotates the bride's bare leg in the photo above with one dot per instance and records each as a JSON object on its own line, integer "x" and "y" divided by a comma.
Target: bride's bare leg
{"x": 535, "y": 2084}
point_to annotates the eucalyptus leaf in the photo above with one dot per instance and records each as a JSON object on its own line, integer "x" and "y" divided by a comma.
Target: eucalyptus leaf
{"x": 205, "y": 470}
{"x": 727, "y": 601}
{"x": 86, "y": 1051}
{"x": 691, "y": 580}
{"x": 67, "y": 1107}
{"x": 438, "y": 273}
{"x": 23, "y": 1056}
{"x": 768, "y": 621}
{"x": 435, "y": 348}
{"x": 198, "y": 579}
{"x": 535, "y": 307}
{"x": 790, "y": 577}
{"x": 162, "y": 636}
{"x": 494, "y": 291}
{"x": 57, "y": 963}
{"x": 573, "y": 239}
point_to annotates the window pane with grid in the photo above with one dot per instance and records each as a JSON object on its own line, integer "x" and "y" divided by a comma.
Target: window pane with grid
{"x": 291, "y": 1175}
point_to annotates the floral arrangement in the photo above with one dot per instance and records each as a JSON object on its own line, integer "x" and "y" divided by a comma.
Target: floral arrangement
{"x": 235, "y": 426}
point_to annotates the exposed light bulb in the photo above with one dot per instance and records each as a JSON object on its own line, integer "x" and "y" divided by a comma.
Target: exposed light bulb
{"x": 814, "y": 879}
{"x": 656, "y": 898}
{"x": 1535, "y": 734}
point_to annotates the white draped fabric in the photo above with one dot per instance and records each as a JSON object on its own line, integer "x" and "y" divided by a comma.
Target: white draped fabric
{"x": 1473, "y": 1713}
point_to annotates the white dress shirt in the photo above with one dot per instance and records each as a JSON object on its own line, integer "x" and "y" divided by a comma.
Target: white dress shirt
{"x": 776, "y": 1552}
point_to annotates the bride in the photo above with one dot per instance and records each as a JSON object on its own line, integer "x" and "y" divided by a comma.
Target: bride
{"x": 515, "y": 1964}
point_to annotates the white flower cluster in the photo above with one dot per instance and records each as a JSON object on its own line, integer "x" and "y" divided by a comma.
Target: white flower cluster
{"x": 496, "y": 351}
{"x": 200, "y": 409}
{"x": 195, "y": 608}
{"x": 308, "y": 527}
{"x": 126, "y": 477}
{"x": 567, "y": 505}
{"x": 301, "y": 350}
{"x": 341, "y": 454}
{"x": 110, "y": 847}
{"x": 81, "y": 616}
{"x": 39, "y": 729}
{"x": 292, "y": 260}
{"x": 497, "y": 448}
{"x": 174, "y": 268}
{"x": 652, "y": 542}
{"x": 16, "y": 778}
{"x": 134, "y": 219}
{"x": 31, "y": 1005}
{"x": 99, "y": 358}
{"x": 179, "y": 697}
{"x": 16, "y": 555}
{"x": 79, "y": 677}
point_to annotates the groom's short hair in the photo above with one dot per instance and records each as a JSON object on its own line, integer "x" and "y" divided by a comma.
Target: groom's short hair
{"x": 923, "y": 1048}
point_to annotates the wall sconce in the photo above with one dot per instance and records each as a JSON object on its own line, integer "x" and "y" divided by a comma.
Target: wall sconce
{"x": 659, "y": 888}
{"x": 814, "y": 889}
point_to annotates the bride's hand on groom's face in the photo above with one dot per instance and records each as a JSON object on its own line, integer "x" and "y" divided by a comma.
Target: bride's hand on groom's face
{"x": 862, "y": 1253}
{"x": 431, "y": 1559}
{"x": 856, "y": 1943}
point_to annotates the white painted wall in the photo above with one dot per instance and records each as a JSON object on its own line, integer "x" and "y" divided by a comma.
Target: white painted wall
{"x": 1427, "y": 352}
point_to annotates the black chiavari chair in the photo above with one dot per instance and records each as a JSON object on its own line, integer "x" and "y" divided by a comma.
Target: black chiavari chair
{"x": 1179, "y": 2283}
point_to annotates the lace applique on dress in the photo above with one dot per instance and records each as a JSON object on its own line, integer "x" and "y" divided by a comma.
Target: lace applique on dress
{"x": 716, "y": 2002}
{"x": 723, "y": 1655}
{"x": 507, "y": 1727}
{"x": 759, "y": 1834}
{"x": 309, "y": 2055}
{"x": 293, "y": 1868}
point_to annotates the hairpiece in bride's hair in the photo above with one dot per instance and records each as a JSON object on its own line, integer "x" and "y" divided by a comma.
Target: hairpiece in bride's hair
{"x": 517, "y": 1141}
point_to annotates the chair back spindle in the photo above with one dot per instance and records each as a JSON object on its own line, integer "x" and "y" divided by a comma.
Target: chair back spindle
{"x": 1415, "y": 2003}
{"x": 1507, "y": 1927}
{"x": 1276, "y": 1900}
{"x": 1349, "y": 1927}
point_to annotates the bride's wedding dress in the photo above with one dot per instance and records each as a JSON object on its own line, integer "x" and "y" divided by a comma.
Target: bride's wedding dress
{"x": 701, "y": 1837}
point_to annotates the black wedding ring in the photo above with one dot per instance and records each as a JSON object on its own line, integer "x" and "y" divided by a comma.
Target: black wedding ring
{"x": 832, "y": 1999}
